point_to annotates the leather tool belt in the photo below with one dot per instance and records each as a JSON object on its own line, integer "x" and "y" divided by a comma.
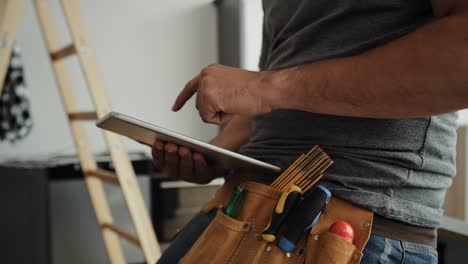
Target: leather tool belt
{"x": 228, "y": 240}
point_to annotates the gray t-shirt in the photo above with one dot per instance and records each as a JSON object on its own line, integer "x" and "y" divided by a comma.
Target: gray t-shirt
{"x": 399, "y": 168}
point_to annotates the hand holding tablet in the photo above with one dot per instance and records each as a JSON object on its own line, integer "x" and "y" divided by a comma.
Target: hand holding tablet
{"x": 148, "y": 134}
{"x": 179, "y": 162}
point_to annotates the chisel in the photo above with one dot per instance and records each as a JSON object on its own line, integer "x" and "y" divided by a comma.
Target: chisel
{"x": 304, "y": 216}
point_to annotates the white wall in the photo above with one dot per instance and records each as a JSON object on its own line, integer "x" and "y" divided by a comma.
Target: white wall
{"x": 146, "y": 50}
{"x": 463, "y": 117}
{"x": 251, "y": 26}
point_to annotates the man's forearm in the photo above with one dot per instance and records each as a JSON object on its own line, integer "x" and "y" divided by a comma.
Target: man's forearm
{"x": 235, "y": 134}
{"x": 423, "y": 73}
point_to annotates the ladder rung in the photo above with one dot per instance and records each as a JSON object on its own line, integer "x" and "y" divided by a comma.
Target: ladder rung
{"x": 122, "y": 233}
{"x": 82, "y": 116}
{"x": 106, "y": 176}
{"x": 63, "y": 52}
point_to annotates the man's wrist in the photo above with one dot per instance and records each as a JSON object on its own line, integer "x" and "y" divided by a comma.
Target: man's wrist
{"x": 298, "y": 87}
{"x": 269, "y": 89}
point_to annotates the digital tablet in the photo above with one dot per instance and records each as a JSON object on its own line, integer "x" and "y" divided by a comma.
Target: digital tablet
{"x": 147, "y": 133}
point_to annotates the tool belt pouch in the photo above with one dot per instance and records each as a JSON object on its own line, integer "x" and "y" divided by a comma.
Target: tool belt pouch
{"x": 228, "y": 240}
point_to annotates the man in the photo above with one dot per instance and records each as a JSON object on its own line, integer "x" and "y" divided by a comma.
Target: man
{"x": 375, "y": 83}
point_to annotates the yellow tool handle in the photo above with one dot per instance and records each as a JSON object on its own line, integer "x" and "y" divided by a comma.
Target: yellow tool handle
{"x": 285, "y": 204}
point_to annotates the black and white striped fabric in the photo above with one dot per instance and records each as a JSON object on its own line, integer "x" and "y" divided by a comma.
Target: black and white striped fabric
{"x": 15, "y": 116}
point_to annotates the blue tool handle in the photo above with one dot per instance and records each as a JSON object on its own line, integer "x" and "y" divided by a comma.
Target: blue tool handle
{"x": 304, "y": 217}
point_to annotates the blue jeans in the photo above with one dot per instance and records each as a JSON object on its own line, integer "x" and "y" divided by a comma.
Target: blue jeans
{"x": 378, "y": 249}
{"x": 186, "y": 238}
{"x": 385, "y": 250}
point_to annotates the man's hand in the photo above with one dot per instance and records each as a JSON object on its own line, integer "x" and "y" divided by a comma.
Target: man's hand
{"x": 223, "y": 92}
{"x": 181, "y": 163}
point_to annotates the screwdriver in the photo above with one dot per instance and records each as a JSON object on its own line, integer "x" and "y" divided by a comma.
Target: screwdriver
{"x": 304, "y": 217}
{"x": 284, "y": 205}
{"x": 233, "y": 206}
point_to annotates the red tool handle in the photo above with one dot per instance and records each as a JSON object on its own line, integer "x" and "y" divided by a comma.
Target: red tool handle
{"x": 342, "y": 229}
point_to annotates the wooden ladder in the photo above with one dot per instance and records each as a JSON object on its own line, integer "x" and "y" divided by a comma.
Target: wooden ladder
{"x": 124, "y": 175}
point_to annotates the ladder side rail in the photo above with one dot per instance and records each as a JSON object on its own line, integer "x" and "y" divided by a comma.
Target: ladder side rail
{"x": 123, "y": 167}
{"x": 11, "y": 12}
{"x": 87, "y": 161}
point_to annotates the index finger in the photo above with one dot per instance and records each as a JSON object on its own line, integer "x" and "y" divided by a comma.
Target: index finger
{"x": 189, "y": 90}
